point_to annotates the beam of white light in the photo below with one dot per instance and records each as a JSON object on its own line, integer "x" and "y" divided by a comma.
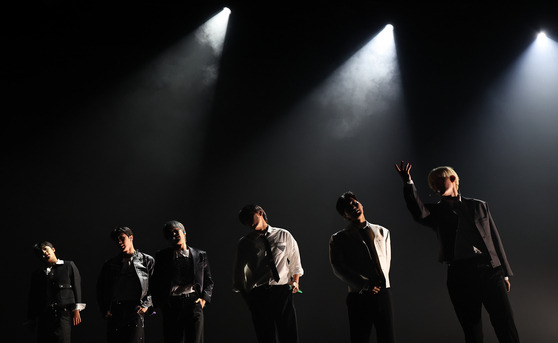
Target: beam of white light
{"x": 162, "y": 110}
{"x": 534, "y": 78}
{"x": 365, "y": 85}
{"x": 521, "y": 118}
{"x": 213, "y": 31}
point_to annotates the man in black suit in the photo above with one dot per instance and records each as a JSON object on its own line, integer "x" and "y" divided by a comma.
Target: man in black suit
{"x": 54, "y": 296}
{"x": 360, "y": 256}
{"x": 478, "y": 269}
{"x": 182, "y": 285}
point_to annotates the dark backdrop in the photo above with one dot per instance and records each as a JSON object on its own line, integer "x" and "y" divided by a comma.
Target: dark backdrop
{"x": 100, "y": 132}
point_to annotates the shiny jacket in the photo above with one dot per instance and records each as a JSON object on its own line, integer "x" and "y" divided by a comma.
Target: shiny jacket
{"x": 143, "y": 265}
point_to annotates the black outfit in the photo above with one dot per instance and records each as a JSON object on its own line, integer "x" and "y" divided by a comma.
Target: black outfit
{"x": 477, "y": 264}
{"x": 122, "y": 288}
{"x": 183, "y": 318}
{"x": 354, "y": 260}
{"x": 52, "y": 298}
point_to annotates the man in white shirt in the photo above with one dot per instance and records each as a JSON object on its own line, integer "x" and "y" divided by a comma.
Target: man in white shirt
{"x": 267, "y": 273}
{"x": 360, "y": 255}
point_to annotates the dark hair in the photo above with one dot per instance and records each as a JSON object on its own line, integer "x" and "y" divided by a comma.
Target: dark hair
{"x": 115, "y": 233}
{"x": 171, "y": 224}
{"x": 246, "y": 214}
{"x": 343, "y": 201}
{"x": 38, "y": 248}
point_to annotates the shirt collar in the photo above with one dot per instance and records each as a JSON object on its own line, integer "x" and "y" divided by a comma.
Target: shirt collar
{"x": 181, "y": 252}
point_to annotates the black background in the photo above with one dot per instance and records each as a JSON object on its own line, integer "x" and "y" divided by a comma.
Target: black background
{"x": 78, "y": 161}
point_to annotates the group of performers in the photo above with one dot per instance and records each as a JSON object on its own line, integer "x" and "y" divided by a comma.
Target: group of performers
{"x": 267, "y": 271}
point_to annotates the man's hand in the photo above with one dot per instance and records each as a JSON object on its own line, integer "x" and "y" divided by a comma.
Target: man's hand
{"x": 142, "y": 310}
{"x": 404, "y": 170}
{"x": 376, "y": 289}
{"x": 294, "y": 286}
{"x": 76, "y": 318}
{"x": 201, "y": 301}
{"x": 508, "y": 285}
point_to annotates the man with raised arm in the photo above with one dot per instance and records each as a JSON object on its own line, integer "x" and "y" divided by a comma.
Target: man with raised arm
{"x": 478, "y": 269}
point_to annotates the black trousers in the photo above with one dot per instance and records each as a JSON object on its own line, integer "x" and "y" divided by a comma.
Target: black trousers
{"x": 273, "y": 314}
{"x": 55, "y": 325}
{"x": 125, "y": 325}
{"x": 183, "y": 320}
{"x": 369, "y": 310}
{"x": 470, "y": 287}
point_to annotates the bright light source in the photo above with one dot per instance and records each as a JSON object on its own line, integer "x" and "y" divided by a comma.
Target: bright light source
{"x": 389, "y": 27}
{"x": 541, "y": 35}
{"x": 213, "y": 32}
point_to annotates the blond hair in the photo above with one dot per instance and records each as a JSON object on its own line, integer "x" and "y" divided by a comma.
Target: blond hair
{"x": 443, "y": 171}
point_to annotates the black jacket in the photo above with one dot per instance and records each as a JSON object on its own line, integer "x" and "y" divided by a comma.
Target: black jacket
{"x": 143, "y": 265}
{"x": 440, "y": 217}
{"x": 64, "y": 285}
{"x": 163, "y": 275}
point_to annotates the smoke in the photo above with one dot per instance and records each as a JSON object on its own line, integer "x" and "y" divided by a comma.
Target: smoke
{"x": 367, "y": 84}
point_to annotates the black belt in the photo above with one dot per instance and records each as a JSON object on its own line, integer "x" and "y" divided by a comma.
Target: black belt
{"x": 58, "y": 307}
{"x": 191, "y": 295}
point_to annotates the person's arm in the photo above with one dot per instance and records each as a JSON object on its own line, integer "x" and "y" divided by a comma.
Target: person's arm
{"x": 295, "y": 265}
{"x": 404, "y": 171}
{"x": 147, "y": 302}
{"x": 76, "y": 286}
{"x": 295, "y": 286}
{"x": 208, "y": 284}
{"x": 416, "y": 207}
{"x": 341, "y": 268}
{"x": 499, "y": 246}
{"x": 239, "y": 271}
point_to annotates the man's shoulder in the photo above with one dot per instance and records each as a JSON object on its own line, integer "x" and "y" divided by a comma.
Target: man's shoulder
{"x": 280, "y": 230}
{"x": 196, "y": 250}
{"x": 473, "y": 201}
{"x": 378, "y": 227}
{"x": 341, "y": 233}
{"x": 144, "y": 255}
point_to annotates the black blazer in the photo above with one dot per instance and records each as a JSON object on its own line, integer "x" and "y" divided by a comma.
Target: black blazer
{"x": 439, "y": 217}
{"x": 162, "y": 275}
{"x": 65, "y": 285}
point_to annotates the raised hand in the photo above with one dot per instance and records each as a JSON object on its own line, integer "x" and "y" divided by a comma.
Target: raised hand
{"x": 404, "y": 170}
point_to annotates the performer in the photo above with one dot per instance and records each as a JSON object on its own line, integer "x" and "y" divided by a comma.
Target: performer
{"x": 182, "y": 285}
{"x": 267, "y": 271}
{"x": 360, "y": 255}
{"x": 123, "y": 289}
{"x": 54, "y": 297}
{"x": 478, "y": 269}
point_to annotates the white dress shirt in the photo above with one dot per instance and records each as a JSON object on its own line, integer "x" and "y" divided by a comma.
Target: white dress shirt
{"x": 285, "y": 253}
